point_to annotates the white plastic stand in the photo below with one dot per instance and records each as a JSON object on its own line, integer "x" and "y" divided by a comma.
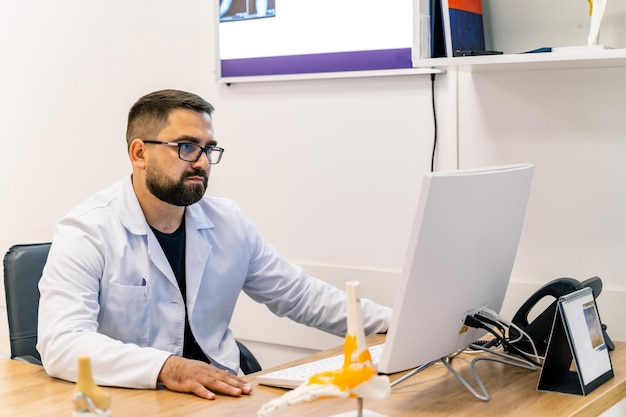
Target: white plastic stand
{"x": 359, "y": 412}
{"x": 597, "y": 13}
{"x": 366, "y": 413}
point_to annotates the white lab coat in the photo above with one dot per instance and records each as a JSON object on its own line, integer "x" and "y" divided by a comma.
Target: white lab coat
{"x": 108, "y": 290}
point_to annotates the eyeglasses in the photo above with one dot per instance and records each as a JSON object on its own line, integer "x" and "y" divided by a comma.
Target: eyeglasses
{"x": 190, "y": 152}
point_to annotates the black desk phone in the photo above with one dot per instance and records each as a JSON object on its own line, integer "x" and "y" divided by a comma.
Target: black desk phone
{"x": 539, "y": 329}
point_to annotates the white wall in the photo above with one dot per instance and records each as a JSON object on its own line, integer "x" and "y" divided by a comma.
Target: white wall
{"x": 329, "y": 170}
{"x": 320, "y": 166}
{"x": 70, "y": 71}
{"x": 570, "y": 125}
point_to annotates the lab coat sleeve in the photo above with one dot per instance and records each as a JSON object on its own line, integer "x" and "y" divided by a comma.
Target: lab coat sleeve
{"x": 288, "y": 291}
{"x": 68, "y": 316}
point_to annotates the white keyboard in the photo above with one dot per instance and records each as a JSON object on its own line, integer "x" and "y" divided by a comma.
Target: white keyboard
{"x": 294, "y": 376}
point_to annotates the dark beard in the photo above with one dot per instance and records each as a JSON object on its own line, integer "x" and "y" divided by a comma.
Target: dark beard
{"x": 176, "y": 193}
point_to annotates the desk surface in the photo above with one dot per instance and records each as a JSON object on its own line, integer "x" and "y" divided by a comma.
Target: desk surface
{"x": 26, "y": 390}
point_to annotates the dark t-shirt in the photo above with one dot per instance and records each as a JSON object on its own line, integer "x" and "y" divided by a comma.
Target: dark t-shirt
{"x": 173, "y": 245}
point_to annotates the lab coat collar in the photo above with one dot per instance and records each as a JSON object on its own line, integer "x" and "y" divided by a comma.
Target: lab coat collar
{"x": 198, "y": 247}
{"x": 132, "y": 217}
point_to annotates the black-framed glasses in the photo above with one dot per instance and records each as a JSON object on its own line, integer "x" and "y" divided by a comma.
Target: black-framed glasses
{"x": 191, "y": 152}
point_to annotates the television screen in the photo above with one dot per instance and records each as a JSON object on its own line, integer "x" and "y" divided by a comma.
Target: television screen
{"x": 261, "y": 38}
{"x": 237, "y": 10}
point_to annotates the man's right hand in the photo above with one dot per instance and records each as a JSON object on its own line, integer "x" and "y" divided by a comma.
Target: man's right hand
{"x": 204, "y": 380}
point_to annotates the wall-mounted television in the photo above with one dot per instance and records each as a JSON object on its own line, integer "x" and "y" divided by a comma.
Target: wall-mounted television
{"x": 269, "y": 37}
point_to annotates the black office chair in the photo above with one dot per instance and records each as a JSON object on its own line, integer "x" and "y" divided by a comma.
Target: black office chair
{"x": 23, "y": 266}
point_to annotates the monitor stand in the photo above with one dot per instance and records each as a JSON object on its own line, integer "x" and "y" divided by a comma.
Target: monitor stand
{"x": 413, "y": 372}
{"x": 508, "y": 360}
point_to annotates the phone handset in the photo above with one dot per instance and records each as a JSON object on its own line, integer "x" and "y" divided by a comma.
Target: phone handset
{"x": 539, "y": 328}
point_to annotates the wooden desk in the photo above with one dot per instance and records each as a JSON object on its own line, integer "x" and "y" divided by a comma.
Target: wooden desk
{"x": 26, "y": 390}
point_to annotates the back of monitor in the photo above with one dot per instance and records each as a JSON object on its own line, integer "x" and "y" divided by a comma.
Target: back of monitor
{"x": 460, "y": 257}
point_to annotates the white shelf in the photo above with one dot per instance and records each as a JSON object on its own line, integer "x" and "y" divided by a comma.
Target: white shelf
{"x": 533, "y": 61}
{"x": 507, "y": 62}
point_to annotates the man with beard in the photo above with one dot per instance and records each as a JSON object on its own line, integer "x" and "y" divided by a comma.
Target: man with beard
{"x": 144, "y": 276}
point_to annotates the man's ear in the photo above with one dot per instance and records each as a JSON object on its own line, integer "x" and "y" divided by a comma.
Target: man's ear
{"x": 137, "y": 155}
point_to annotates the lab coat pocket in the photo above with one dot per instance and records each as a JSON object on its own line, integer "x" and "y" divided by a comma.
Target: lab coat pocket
{"x": 126, "y": 314}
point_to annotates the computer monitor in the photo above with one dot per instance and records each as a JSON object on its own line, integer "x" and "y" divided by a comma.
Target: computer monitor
{"x": 459, "y": 261}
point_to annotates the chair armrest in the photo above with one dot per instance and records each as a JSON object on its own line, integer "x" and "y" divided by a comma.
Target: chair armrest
{"x": 28, "y": 359}
{"x": 247, "y": 361}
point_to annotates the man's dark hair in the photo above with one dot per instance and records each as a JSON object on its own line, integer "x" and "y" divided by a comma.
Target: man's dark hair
{"x": 149, "y": 114}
